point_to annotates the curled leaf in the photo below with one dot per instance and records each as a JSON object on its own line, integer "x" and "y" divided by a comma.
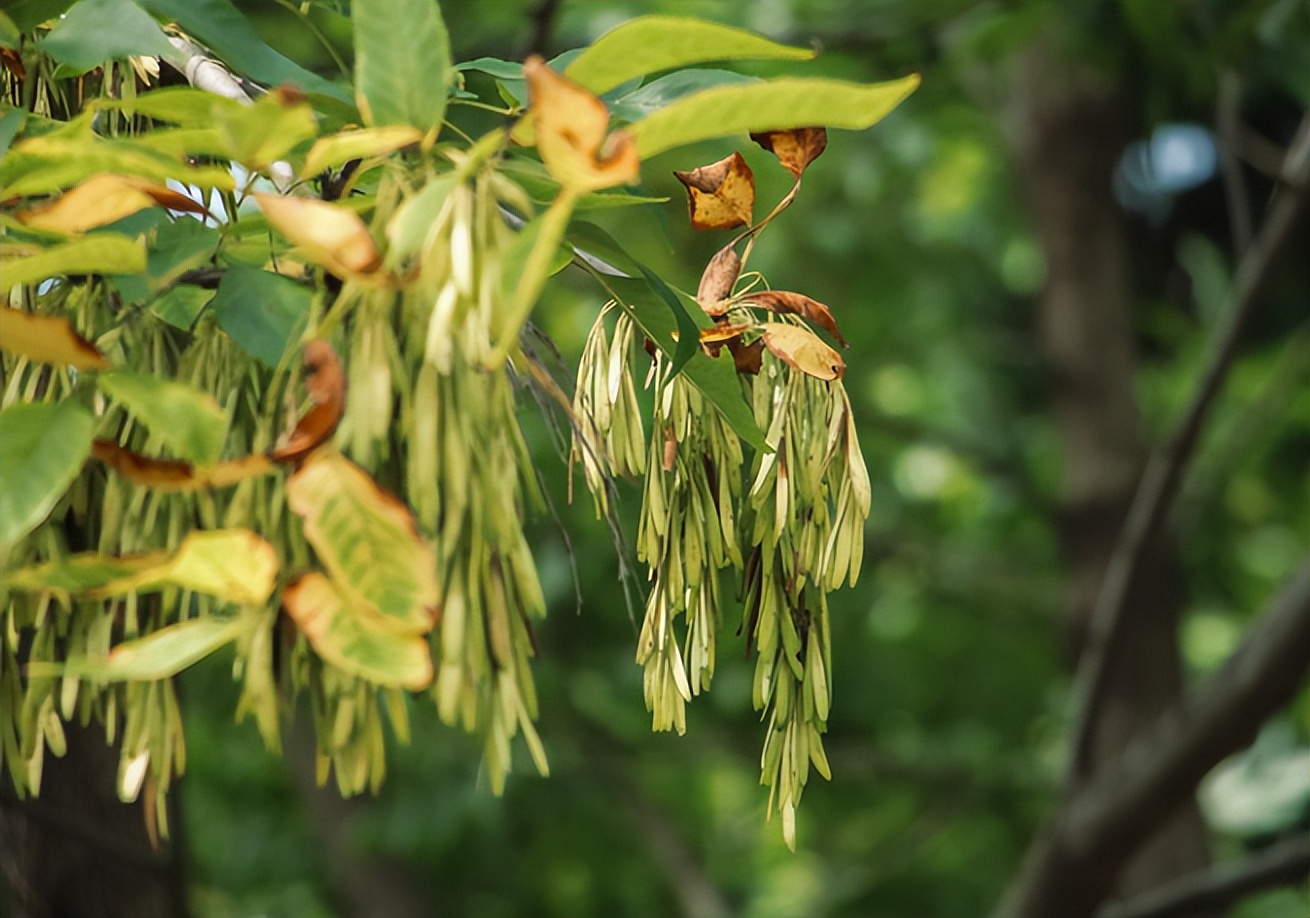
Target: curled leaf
{"x": 720, "y": 195}
{"x": 571, "y": 125}
{"x": 329, "y": 235}
{"x": 796, "y": 148}
{"x": 101, "y": 200}
{"x": 797, "y": 304}
{"x": 801, "y": 348}
{"x": 717, "y": 281}
{"x": 47, "y": 339}
{"x": 326, "y": 383}
{"x": 747, "y": 358}
{"x": 175, "y": 474}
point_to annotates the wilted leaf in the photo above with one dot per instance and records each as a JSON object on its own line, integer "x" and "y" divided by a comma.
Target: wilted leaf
{"x": 747, "y": 358}
{"x": 335, "y": 149}
{"x": 175, "y": 474}
{"x": 329, "y": 235}
{"x": 720, "y": 195}
{"x": 47, "y": 339}
{"x": 802, "y": 349}
{"x": 101, "y": 200}
{"x": 797, "y": 304}
{"x": 42, "y": 448}
{"x": 102, "y": 253}
{"x": 367, "y": 540}
{"x": 327, "y": 387}
{"x": 717, "y": 281}
{"x": 355, "y": 638}
{"x": 161, "y": 654}
{"x": 795, "y": 148}
{"x": 188, "y": 420}
{"x": 722, "y": 331}
{"x": 571, "y": 126}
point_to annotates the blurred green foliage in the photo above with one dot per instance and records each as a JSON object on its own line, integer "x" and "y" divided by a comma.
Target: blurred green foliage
{"x": 948, "y": 733}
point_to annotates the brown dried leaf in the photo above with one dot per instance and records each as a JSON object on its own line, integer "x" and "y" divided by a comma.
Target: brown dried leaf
{"x": 329, "y": 235}
{"x": 797, "y": 304}
{"x": 722, "y": 331}
{"x": 176, "y": 474}
{"x": 102, "y": 199}
{"x": 720, "y": 195}
{"x": 47, "y": 339}
{"x": 326, "y": 383}
{"x": 748, "y": 358}
{"x": 796, "y": 148}
{"x": 804, "y": 350}
{"x": 571, "y": 125}
{"x": 717, "y": 280}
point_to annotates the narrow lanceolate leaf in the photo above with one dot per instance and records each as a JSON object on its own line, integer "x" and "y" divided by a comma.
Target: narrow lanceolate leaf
{"x": 802, "y": 349}
{"x": 336, "y": 149}
{"x": 797, "y": 304}
{"x": 354, "y": 638}
{"x": 191, "y": 422}
{"x": 161, "y": 654}
{"x": 796, "y": 148}
{"x": 101, "y": 200}
{"x": 329, "y": 235}
{"x": 651, "y": 43}
{"x": 103, "y": 253}
{"x": 42, "y": 448}
{"x": 402, "y": 62}
{"x": 47, "y": 339}
{"x": 367, "y": 540}
{"x": 772, "y": 105}
{"x": 233, "y": 564}
{"x": 720, "y": 195}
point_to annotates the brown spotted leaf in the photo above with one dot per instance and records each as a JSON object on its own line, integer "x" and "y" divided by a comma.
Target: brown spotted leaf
{"x": 47, "y": 339}
{"x": 571, "y": 125}
{"x": 329, "y": 235}
{"x": 720, "y": 195}
{"x": 796, "y": 148}
{"x": 326, "y": 383}
{"x": 804, "y": 350}
{"x": 797, "y": 304}
{"x": 717, "y": 280}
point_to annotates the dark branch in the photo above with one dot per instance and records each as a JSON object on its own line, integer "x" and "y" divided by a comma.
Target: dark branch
{"x": 1160, "y": 481}
{"x": 1070, "y": 867}
{"x": 1214, "y": 890}
{"x": 543, "y": 23}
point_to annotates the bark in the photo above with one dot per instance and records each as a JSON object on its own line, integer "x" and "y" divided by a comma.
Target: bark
{"x": 1071, "y": 130}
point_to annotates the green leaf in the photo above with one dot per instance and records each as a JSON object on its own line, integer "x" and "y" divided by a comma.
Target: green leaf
{"x": 262, "y": 311}
{"x": 161, "y": 654}
{"x": 367, "y": 540}
{"x": 715, "y": 378}
{"x": 100, "y": 253}
{"x": 222, "y": 29}
{"x": 263, "y": 133}
{"x": 501, "y": 70}
{"x": 42, "y": 448}
{"x": 410, "y": 225}
{"x": 177, "y": 247}
{"x": 652, "y": 43}
{"x": 648, "y": 99}
{"x": 339, "y": 148}
{"x": 532, "y": 177}
{"x": 530, "y": 261}
{"x": 589, "y": 239}
{"x": 181, "y": 305}
{"x": 28, "y": 14}
{"x": 10, "y": 124}
{"x": 181, "y": 105}
{"x": 688, "y": 330}
{"x": 95, "y": 31}
{"x": 355, "y": 639}
{"x": 233, "y": 564}
{"x": 191, "y": 422}
{"x": 769, "y": 105}
{"x": 42, "y": 165}
{"x": 402, "y": 62}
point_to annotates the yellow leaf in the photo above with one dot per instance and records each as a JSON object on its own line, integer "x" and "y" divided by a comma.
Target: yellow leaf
{"x": 328, "y": 235}
{"x": 335, "y": 149}
{"x": 101, "y": 200}
{"x": 720, "y": 195}
{"x": 804, "y": 350}
{"x": 571, "y": 125}
{"x": 796, "y": 148}
{"x": 47, "y": 339}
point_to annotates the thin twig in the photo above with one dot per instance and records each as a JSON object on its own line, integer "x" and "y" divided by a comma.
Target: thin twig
{"x": 1160, "y": 481}
{"x": 1228, "y": 125}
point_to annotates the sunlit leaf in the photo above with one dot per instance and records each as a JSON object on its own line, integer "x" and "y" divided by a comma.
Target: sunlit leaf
{"x": 795, "y": 148}
{"x": 101, "y": 200}
{"x": 656, "y": 94}
{"x": 176, "y": 474}
{"x": 402, "y": 62}
{"x": 191, "y": 422}
{"x": 649, "y": 44}
{"x": 783, "y": 301}
{"x": 42, "y": 448}
{"x": 260, "y": 134}
{"x": 571, "y": 126}
{"x": 366, "y": 539}
{"x": 717, "y": 280}
{"x": 720, "y": 195}
{"x": 722, "y": 332}
{"x": 328, "y": 235}
{"x": 47, "y": 339}
{"x": 52, "y": 162}
{"x": 335, "y": 149}
{"x": 771, "y": 105}
{"x": 103, "y": 253}
{"x": 356, "y": 639}
{"x": 802, "y": 349}
{"x": 162, "y": 653}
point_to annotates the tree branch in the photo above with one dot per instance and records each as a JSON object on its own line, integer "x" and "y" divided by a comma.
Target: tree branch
{"x": 1071, "y": 865}
{"x": 1160, "y": 481}
{"x": 1282, "y": 863}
